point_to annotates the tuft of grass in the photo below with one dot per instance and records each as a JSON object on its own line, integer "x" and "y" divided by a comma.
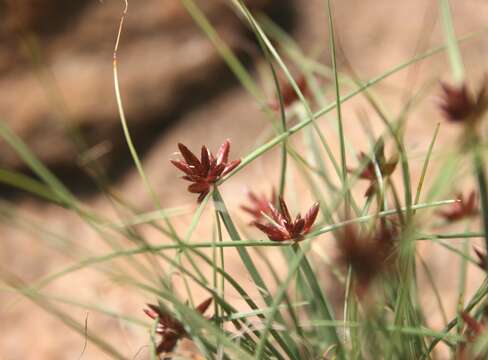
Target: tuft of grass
{"x": 282, "y": 304}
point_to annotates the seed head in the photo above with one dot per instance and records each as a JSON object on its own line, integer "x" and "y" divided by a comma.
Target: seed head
{"x": 369, "y": 255}
{"x": 169, "y": 328}
{"x": 459, "y": 105}
{"x": 368, "y": 169}
{"x": 282, "y": 227}
{"x": 462, "y": 208}
{"x": 205, "y": 172}
{"x": 473, "y": 330}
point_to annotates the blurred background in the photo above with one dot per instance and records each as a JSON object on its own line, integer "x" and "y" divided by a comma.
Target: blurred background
{"x": 57, "y": 94}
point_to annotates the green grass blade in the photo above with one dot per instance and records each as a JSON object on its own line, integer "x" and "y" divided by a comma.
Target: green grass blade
{"x": 26, "y": 183}
{"x": 455, "y": 58}
{"x": 480, "y": 171}
{"x": 338, "y": 102}
{"x": 323, "y": 306}
{"x": 426, "y": 164}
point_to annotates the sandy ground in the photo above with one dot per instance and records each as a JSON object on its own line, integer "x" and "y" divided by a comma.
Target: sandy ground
{"x": 374, "y": 35}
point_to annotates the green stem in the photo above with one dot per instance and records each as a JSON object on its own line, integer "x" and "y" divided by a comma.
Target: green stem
{"x": 479, "y": 165}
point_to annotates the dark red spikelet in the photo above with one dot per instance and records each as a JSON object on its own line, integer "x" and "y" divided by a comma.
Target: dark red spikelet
{"x": 205, "y": 158}
{"x": 223, "y": 154}
{"x": 274, "y": 233}
{"x": 204, "y": 306}
{"x": 153, "y": 311}
{"x": 310, "y": 217}
{"x": 183, "y": 167}
{"x": 298, "y": 228}
{"x": 167, "y": 345}
{"x": 284, "y": 210}
{"x": 198, "y": 188}
{"x": 481, "y": 259}
{"x": 190, "y": 158}
{"x": 201, "y": 197}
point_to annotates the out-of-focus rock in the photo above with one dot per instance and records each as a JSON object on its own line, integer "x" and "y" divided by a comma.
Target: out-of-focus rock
{"x": 56, "y": 69}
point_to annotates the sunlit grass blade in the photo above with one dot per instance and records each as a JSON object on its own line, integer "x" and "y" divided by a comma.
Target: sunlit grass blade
{"x": 425, "y": 165}
{"x": 321, "y": 302}
{"x": 150, "y": 217}
{"x": 25, "y": 183}
{"x": 338, "y": 103}
{"x": 479, "y": 164}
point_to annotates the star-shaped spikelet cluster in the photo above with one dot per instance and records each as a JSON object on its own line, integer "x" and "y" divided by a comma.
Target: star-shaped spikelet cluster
{"x": 282, "y": 227}
{"x": 386, "y": 166}
{"x": 459, "y": 105}
{"x": 462, "y": 208}
{"x": 169, "y": 328}
{"x": 204, "y": 172}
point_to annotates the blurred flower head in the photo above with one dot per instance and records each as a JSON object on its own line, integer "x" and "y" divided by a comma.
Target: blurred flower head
{"x": 462, "y": 208}
{"x": 473, "y": 330}
{"x": 369, "y": 254}
{"x": 289, "y": 94}
{"x": 281, "y": 227}
{"x": 204, "y": 172}
{"x": 169, "y": 328}
{"x": 367, "y": 172}
{"x": 459, "y": 105}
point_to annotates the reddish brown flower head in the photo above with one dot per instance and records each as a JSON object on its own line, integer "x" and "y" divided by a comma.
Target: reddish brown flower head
{"x": 474, "y": 329}
{"x": 368, "y": 254}
{"x": 204, "y": 172}
{"x": 368, "y": 172}
{"x": 283, "y": 228}
{"x": 462, "y": 208}
{"x": 459, "y": 105}
{"x": 259, "y": 205}
{"x": 289, "y": 94}
{"x": 169, "y": 328}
